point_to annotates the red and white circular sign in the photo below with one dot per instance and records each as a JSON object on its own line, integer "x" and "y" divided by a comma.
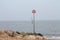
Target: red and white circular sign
{"x": 33, "y": 11}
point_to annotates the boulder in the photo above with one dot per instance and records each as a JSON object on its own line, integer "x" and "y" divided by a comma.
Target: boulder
{"x": 2, "y": 32}
{"x": 33, "y": 37}
{"x": 10, "y": 33}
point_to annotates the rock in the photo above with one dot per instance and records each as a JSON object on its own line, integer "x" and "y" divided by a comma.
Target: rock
{"x": 10, "y": 33}
{"x": 18, "y": 32}
{"x": 39, "y": 34}
{"x": 2, "y": 32}
{"x": 33, "y": 37}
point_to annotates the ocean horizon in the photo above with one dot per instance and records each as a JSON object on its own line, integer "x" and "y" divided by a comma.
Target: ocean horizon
{"x": 44, "y": 26}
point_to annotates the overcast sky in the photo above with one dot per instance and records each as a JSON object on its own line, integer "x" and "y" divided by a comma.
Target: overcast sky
{"x": 16, "y": 10}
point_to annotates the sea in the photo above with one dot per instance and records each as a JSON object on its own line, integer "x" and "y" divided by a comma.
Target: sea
{"x": 49, "y": 28}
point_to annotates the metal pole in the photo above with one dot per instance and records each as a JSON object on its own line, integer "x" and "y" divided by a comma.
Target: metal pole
{"x": 33, "y": 23}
